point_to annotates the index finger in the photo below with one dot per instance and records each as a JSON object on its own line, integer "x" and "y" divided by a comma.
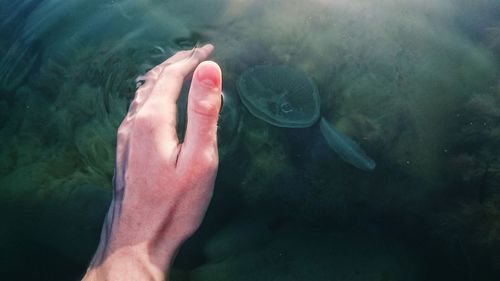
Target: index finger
{"x": 172, "y": 76}
{"x": 161, "y": 101}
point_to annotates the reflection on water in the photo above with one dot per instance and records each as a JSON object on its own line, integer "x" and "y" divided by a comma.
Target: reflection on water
{"x": 415, "y": 83}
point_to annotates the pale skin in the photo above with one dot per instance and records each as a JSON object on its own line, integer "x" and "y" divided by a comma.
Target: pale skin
{"x": 162, "y": 188}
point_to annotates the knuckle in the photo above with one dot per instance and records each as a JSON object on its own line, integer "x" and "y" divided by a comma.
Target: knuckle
{"x": 212, "y": 164}
{"x": 205, "y": 159}
{"x": 209, "y": 159}
{"x": 205, "y": 107}
{"x": 152, "y": 74}
{"x": 133, "y": 106}
{"x": 122, "y": 132}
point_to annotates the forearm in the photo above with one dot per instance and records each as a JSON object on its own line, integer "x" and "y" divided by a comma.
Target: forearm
{"x": 149, "y": 260}
{"x": 135, "y": 251}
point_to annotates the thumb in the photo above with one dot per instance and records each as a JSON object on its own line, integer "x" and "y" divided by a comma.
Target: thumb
{"x": 204, "y": 104}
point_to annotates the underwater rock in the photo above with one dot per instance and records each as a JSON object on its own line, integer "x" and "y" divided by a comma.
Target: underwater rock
{"x": 280, "y": 95}
{"x": 346, "y": 148}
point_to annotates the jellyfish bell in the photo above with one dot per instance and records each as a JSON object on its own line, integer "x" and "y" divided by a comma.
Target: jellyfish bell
{"x": 279, "y": 95}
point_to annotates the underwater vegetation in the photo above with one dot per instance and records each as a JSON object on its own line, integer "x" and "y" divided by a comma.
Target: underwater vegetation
{"x": 15, "y": 64}
{"x": 414, "y": 82}
{"x": 58, "y": 152}
{"x": 472, "y": 235}
{"x": 473, "y": 222}
{"x": 249, "y": 247}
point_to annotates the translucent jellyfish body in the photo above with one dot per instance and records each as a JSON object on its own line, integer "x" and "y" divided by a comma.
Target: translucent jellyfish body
{"x": 280, "y": 96}
{"x": 346, "y": 148}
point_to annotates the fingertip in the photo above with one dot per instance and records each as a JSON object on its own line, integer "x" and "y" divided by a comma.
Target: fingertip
{"x": 205, "y": 93}
{"x": 209, "y": 74}
{"x": 209, "y": 47}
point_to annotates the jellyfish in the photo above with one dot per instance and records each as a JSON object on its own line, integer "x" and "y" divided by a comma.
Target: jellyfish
{"x": 346, "y": 148}
{"x": 279, "y": 95}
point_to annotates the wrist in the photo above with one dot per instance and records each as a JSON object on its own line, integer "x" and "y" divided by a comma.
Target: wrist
{"x": 129, "y": 263}
{"x": 119, "y": 257}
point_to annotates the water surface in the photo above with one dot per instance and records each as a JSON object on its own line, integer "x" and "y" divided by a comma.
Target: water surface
{"x": 414, "y": 83}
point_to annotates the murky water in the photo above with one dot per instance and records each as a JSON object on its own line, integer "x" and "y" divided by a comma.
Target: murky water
{"x": 412, "y": 86}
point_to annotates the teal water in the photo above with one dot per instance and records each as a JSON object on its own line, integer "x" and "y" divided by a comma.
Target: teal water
{"x": 414, "y": 85}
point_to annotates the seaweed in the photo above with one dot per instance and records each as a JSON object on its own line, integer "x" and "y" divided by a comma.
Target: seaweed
{"x": 15, "y": 65}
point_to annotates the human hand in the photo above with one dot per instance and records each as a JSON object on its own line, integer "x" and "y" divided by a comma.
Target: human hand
{"x": 162, "y": 188}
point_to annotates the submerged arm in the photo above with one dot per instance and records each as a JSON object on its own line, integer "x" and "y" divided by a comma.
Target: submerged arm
{"x": 162, "y": 188}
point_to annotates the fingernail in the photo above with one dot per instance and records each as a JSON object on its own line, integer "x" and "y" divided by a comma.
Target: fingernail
{"x": 208, "y": 83}
{"x": 208, "y": 75}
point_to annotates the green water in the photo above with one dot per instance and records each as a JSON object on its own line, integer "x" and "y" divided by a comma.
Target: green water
{"x": 415, "y": 84}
